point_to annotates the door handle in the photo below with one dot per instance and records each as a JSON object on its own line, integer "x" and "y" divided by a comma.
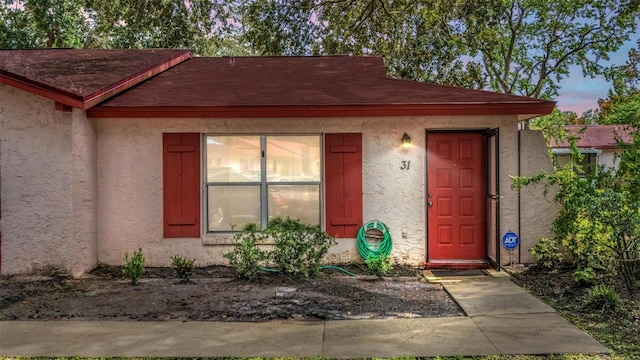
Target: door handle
{"x": 430, "y": 203}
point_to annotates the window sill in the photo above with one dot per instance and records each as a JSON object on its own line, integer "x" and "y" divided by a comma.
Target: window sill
{"x": 217, "y": 239}
{"x": 226, "y": 239}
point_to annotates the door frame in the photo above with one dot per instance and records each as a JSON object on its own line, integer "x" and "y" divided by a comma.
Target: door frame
{"x": 487, "y": 133}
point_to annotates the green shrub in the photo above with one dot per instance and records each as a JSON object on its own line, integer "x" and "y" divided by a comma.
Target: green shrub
{"x": 183, "y": 268}
{"x": 546, "y": 253}
{"x": 298, "y": 248}
{"x": 246, "y": 257}
{"x": 601, "y": 297}
{"x": 584, "y": 277}
{"x": 379, "y": 265}
{"x": 134, "y": 268}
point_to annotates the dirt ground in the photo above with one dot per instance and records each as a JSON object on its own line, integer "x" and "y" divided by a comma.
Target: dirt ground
{"x": 215, "y": 295}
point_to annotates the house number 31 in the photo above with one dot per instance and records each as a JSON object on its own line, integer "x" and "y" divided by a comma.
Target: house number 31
{"x": 405, "y": 164}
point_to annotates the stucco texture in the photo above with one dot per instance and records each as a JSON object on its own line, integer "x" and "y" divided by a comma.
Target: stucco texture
{"x": 130, "y": 181}
{"x": 537, "y": 209}
{"x": 48, "y": 185}
{"x": 78, "y": 191}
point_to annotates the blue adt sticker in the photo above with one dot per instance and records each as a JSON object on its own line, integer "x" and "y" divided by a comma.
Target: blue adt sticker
{"x": 510, "y": 240}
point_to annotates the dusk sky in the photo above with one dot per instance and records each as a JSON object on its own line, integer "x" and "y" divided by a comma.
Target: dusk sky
{"x": 579, "y": 93}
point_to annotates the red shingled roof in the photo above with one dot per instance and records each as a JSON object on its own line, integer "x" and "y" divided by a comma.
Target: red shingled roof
{"x": 301, "y": 86}
{"x": 83, "y": 78}
{"x": 169, "y": 83}
{"x": 596, "y": 136}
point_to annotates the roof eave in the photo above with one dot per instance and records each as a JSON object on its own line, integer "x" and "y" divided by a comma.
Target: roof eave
{"x": 85, "y": 102}
{"x": 286, "y": 111}
{"x": 57, "y": 95}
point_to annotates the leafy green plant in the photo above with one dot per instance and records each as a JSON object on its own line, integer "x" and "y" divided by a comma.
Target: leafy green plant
{"x": 599, "y": 211}
{"x": 546, "y": 253}
{"x": 379, "y": 265}
{"x": 183, "y": 268}
{"x": 584, "y": 277}
{"x": 134, "y": 267}
{"x": 601, "y": 297}
{"x": 246, "y": 257}
{"x": 298, "y": 248}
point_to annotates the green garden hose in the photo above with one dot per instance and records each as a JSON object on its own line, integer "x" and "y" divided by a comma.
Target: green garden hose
{"x": 370, "y": 250}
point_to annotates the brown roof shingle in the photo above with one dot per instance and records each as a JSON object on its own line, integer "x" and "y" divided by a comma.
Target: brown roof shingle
{"x": 302, "y": 86}
{"x": 83, "y": 78}
{"x": 595, "y": 136}
{"x": 170, "y": 83}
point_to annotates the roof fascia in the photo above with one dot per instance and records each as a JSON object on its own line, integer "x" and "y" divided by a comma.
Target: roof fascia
{"x": 85, "y": 102}
{"x": 320, "y": 111}
{"x": 57, "y": 95}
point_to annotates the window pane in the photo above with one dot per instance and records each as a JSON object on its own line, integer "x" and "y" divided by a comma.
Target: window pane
{"x": 293, "y": 158}
{"x": 232, "y": 205}
{"x": 233, "y": 159}
{"x": 295, "y": 201}
{"x": 563, "y": 159}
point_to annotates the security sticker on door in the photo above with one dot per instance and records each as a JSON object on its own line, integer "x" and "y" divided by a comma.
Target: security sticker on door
{"x": 510, "y": 240}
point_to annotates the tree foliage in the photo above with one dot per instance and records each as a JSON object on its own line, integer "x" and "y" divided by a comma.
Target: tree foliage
{"x": 598, "y": 223}
{"x": 42, "y": 23}
{"x": 193, "y": 24}
{"x": 515, "y": 46}
{"x": 622, "y": 106}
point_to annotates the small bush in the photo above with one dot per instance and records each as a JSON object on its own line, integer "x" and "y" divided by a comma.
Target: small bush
{"x": 246, "y": 257}
{"x": 134, "y": 268}
{"x": 183, "y": 268}
{"x": 298, "y": 248}
{"x": 546, "y": 253}
{"x": 379, "y": 265}
{"x": 601, "y": 297}
{"x": 584, "y": 277}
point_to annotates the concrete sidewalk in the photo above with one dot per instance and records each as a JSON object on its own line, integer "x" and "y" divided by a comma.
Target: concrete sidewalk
{"x": 502, "y": 319}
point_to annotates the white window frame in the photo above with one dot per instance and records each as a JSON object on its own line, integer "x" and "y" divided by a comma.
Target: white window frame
{"x": 264, "y": 183}
{"x": 586, "y": 152}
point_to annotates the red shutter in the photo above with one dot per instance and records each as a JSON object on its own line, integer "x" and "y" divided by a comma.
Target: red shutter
{"x": 181, "y": 185}
{"x": 343, "y": 184}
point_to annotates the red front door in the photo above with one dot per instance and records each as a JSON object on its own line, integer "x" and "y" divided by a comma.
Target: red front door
{"x": 456, "y": 192}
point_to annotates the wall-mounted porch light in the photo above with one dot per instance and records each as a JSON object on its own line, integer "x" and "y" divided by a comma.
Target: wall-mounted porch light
{"x": 406, "y": 141}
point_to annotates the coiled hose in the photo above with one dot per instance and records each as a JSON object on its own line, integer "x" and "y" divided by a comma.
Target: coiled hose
{"x": 366, "y": 249}
{"x": 373, "y": 250}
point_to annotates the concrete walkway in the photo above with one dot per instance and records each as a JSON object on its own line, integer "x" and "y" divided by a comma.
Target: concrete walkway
{"x": 502, "y": 319}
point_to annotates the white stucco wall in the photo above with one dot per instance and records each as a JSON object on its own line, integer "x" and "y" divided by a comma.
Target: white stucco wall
{"x": 130, "y": 180}
{"x": 76, "y": 191}
{"x": 48, "y": 185}
{"x": 537, "y": 210}
{"x": 608, "y": 158}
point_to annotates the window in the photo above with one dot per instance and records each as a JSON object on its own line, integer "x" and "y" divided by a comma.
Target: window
{"x": 253, "y": 178}
{"x": 588, "y": 163}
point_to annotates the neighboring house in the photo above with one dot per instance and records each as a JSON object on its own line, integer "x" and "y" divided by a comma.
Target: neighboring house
{"x": 106, "y": 151}
{"x": 597, "y": 143}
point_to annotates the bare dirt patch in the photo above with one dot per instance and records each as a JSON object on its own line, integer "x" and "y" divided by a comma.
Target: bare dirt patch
{"x": 215, "y": 295}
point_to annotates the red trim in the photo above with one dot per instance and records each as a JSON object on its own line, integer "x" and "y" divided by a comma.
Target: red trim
{"x": 57, "y": 95}
{"x": 63, "y": 107}
{"x": 85, "y": 102}
{"x": 103, "y": 94}
{"x": 285, "y": 111}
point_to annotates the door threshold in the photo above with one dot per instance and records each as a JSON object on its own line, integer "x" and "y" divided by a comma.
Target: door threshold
{"x": 457, "y": 264}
